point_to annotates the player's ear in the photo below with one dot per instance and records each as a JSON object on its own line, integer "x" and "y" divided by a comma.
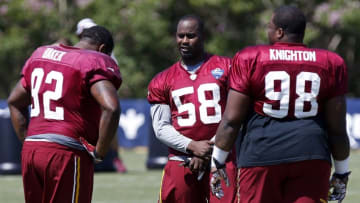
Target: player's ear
{"x": 102, "y": 49}
{"x": 279, "y": 33}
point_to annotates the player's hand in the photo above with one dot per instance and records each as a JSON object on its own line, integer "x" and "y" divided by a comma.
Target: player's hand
{"x": 218, "y": 174}
{"x": 198, "y": 164}
{"x": 338, "y": 183}
{"x": 91, "y": 150}
{"x": 201, "y": 148}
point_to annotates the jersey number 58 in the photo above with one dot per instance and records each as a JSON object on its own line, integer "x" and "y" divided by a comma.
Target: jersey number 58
{"x": 204, "y": 104}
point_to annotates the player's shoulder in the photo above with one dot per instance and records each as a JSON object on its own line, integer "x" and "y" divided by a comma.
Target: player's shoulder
{"x": 219, "y": 58}
{"x": 94, "y": 55}
{"x": 164, "y": 76}
{"x": 331, "y": 57}
{"x": 251, "y": 52}
{"x": 168, "y": 72}
{"x": 94, "y": 59}
{"x": 39, "y": 51}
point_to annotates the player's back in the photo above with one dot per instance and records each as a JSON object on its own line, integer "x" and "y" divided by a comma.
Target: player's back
{"x": 59, "y": 79}
{"x": 289, "y": 84}
{"x": 291, "y": 80}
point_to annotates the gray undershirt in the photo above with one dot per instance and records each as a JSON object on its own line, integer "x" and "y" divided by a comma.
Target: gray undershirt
{"x": 192, "y": 69}
{"x": 59, "y": 139}
{"x": 164, "y": 131}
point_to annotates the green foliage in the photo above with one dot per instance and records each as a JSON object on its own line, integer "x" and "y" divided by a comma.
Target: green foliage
{"x": 144, "y": 32}
{"x": 23, "y": 29}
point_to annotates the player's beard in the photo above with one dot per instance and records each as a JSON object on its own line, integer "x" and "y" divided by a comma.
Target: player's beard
{"x": 192, "y": 54}
{"x": 187, "y": 56}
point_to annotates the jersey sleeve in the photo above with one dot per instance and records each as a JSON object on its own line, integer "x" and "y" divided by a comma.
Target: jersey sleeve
{"x": 227, "y": 64}
{"x": 25, "y": 76}
{"x": 157, "y": 90}
{"x": 339, "y": 82}
{"x": 239, "y": 78}
{"x": 100, "y": 67}
{"x": 25, "y": 82}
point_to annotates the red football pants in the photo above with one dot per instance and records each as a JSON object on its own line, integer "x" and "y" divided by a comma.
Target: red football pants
{"x": 53, "y": 173}
{"x": 180, "y": 185}
{"x": 298, "y": 182}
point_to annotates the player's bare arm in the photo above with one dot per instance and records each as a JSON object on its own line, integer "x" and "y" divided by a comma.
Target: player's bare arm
{"x": 18, "y": 103}
{"x": 335, "y": 111}
{"x": 235, "y": 113}
{"x": 105, "y": 94}
{"x": 335, "y": 117}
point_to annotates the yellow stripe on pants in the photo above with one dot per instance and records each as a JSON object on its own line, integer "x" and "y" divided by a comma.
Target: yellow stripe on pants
{"x": 162, "y": 179}
{"x": 77, "y": 181}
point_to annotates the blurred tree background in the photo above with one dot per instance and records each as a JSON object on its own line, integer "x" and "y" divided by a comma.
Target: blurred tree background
{"x": 144, "y": 32}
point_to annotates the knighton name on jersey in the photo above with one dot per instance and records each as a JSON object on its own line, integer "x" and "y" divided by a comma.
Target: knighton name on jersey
{"x": 292, "y": 55}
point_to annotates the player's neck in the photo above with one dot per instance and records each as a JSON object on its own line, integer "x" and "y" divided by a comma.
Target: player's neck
{"x": 85, "y": 45}
{"x": 290, "y": 39}
{"x": 192, "y": 68}
{"x": 193, "y": 61}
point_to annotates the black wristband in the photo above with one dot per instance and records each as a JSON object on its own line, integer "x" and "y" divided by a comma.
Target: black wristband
{"x": 342, "y": 176}
{"x": 218, "y": 165}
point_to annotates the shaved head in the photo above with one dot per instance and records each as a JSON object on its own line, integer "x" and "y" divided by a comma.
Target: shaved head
{"x": 200, "y": 23}
{"x": 291, "y": 19}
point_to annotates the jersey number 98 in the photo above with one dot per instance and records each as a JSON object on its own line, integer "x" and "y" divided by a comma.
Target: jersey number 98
{"x": 283, "y": 96}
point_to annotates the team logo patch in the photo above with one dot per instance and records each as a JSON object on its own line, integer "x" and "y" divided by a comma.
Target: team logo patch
{"x": 217, "y": 73}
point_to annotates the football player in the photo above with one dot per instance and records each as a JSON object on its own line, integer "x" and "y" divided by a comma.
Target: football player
{"x": 114, "y": 152}
{"x": 73, "y": 96}
{"x": 297, "y": 121}
{"x": 187, "y": 101}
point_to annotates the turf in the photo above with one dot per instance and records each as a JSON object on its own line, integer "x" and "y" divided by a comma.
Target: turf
{"x": 140, "y": 185}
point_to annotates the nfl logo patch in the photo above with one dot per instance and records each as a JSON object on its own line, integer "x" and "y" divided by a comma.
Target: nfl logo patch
{"x": 217, "y": 73}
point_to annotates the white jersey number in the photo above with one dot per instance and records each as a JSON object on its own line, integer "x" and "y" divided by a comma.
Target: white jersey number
{"x": 205, "y": 104}
{"x": 284, "y": 94}
{"x": 37, "y": 77}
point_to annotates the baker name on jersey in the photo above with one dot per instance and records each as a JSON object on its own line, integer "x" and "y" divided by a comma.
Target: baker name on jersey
{"x": 53, "y": 54}
{"x": 292, "y": 55}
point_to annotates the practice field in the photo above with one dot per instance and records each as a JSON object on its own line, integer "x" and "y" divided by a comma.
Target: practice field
{"x": 140, "y": 185}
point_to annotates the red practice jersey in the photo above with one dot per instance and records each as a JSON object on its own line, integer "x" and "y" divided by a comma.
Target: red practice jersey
{"x": 288, "y": 80}
{"x": 196, "y": 101}
{"x": 59, "y": 80}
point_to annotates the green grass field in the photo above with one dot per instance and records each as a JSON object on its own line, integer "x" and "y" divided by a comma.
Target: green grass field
{"x": 140, "y": 185}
